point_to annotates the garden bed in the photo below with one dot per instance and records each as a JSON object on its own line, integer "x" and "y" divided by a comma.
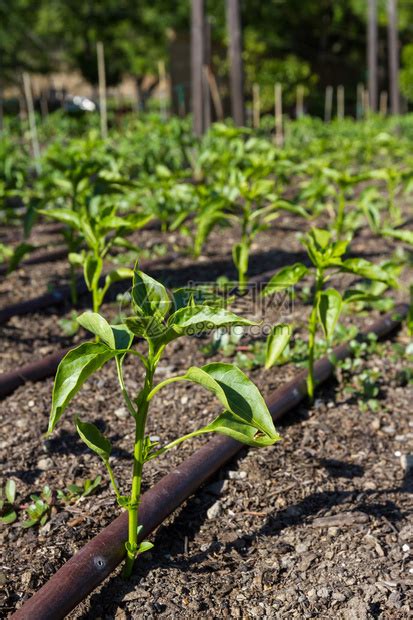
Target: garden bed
{"x": 273, "y": 529}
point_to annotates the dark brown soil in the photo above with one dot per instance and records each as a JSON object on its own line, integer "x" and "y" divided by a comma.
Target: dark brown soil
{"x": 317, "y": 526}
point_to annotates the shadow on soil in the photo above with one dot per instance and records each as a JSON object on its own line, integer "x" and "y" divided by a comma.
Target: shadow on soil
{"x": 172, "y": 538}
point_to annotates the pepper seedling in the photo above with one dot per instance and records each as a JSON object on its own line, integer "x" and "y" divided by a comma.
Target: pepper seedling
{"x": 158, "y": 319}
{"x": 326, "y": 256}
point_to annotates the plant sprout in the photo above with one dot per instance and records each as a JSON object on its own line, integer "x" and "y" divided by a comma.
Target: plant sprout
{"x": 158, "y": 319}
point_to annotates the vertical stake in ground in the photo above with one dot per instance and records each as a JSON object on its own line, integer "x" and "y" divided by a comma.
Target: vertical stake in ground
{"x": 299, "y": 107}
{"x": 340, "y": 102}
{"x": 197, "y": 60}
{"x": 383, "y": 102}
{"x": 372, "y": 37}
{"x": 278, "y": 111}
{"x": 393, "y": 43}
{"x": 235, "y": 62}
{"x": 256, "y": 106}
{"x": 32, "y": 120}
{"x": 328, "y": 104}
{"x": 102, "y": 90}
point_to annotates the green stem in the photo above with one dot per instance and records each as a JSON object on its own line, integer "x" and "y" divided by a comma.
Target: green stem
{"x": 340, "y": 211}
{"x": 163, "y": 383}
{"x": 312, "y": 330}
{"x": 112, "y": 478}
{"x": 138, "y": 461}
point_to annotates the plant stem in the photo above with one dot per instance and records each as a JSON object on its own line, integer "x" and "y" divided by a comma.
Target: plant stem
{"x": 340, "y": 211}
{"x": 138, "y": 461}
{"x": 312, "y": 330}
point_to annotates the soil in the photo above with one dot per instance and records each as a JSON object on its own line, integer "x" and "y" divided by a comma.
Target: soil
{"x": 318, "y": 526}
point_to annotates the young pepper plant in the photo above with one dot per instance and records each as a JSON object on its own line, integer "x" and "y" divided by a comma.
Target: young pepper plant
{"x": 158, "y": 319}
{"x": 326, "y": 256}
{"x": 101, "y": 229}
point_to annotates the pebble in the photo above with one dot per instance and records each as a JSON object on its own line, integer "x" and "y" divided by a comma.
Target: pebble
{"x": 389, "y": 430}
{"x": 31, "y": 403}
{"x": 406, "y": 461}
{"x": 214, "y": 511}
{"x": 237, "y": 475}
{"x": 121, "y": 412}
{"x": 184, "y": 399}
{"x": 406, "y": 548}
{"x": 44, "y": 464}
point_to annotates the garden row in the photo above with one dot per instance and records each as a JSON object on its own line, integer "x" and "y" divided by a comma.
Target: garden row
{"x": 225, "y": 200}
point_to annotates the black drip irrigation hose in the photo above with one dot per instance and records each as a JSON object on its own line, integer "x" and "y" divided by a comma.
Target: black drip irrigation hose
{"x": 80, "y": 575}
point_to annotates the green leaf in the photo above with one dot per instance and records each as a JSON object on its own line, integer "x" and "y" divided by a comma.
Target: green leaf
{"x": 74, "y": 369}
{"x": 9, "y": 517}
{"x": 66, "y": 216}
{"x": 196, "y": 319}
{"x": 286, "y": 277}
{"x": 10, "y": 491}
{"x": 401, "y": 235}
{"x": 329, "y": 308}
{"x": 246, "y": 416}
{"x": 92, "y": 269}
{"x": 368, "y": 270}
{"x": 115, "y": 336}
{"x": 76, "y": 259}
{"x": 149, "y": 295}
{"x": 276, "y": 342}
{"x": 122, "y": 273}
{"x": 19, "y": 253}
{"x": 144, "y": 546}
{"x": 93, "y": 438}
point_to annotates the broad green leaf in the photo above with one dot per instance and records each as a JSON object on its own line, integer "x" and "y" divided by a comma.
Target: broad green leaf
{"x": 150, "y": 296}
{"x": 245, "y": 408}
{"x": 92, "y": 270}
{"x": 277, "y": 340}
{"x": 329, "y": 308}
{"x": 321, "y": 237}
{"x": 196, "y": 319}
{"x": 286, "y": 277}
{"x": 66, "y": 216}
{"x": 74, "y": 369}
{"x": 115, "y": 336}
{"x": 368, "y": 270}
{"x": 10, "y": 491}
{"x": 227, "y": 424}
{"x": 93, "y": 438}
{"x": 401, "y": 235}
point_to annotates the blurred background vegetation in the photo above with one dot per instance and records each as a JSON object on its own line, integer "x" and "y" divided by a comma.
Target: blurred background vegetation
{"x": 308, "y": 42}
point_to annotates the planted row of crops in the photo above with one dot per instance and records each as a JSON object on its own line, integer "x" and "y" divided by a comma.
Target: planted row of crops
{"x": 328, "y": 189}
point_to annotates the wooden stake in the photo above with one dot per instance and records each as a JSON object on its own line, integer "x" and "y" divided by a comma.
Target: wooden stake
{"x": 278, "y": 110}
{"x": 256, "y": 106}
{"x": 235, "y": 61}
{"x": 102, "y": 91}
{"x": 299, "y": 108}
{"x": 206, "y": 62}
{"x": 366, "y": 103}
{"x": 1, "y": 108}
{"x": 32, "y": 120}
{"x": 162, "y": 89}
{"x": 360, "y": 101}
{"x": 372, "y": 37}
{"x": 216, "y": 97}
{"x": 340, "y": 102}
{"x": 393, "y": 44}
{"x": 383, "y": 102}
{"x": 328, "y": 104}
{"x": 197, "y": 61}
